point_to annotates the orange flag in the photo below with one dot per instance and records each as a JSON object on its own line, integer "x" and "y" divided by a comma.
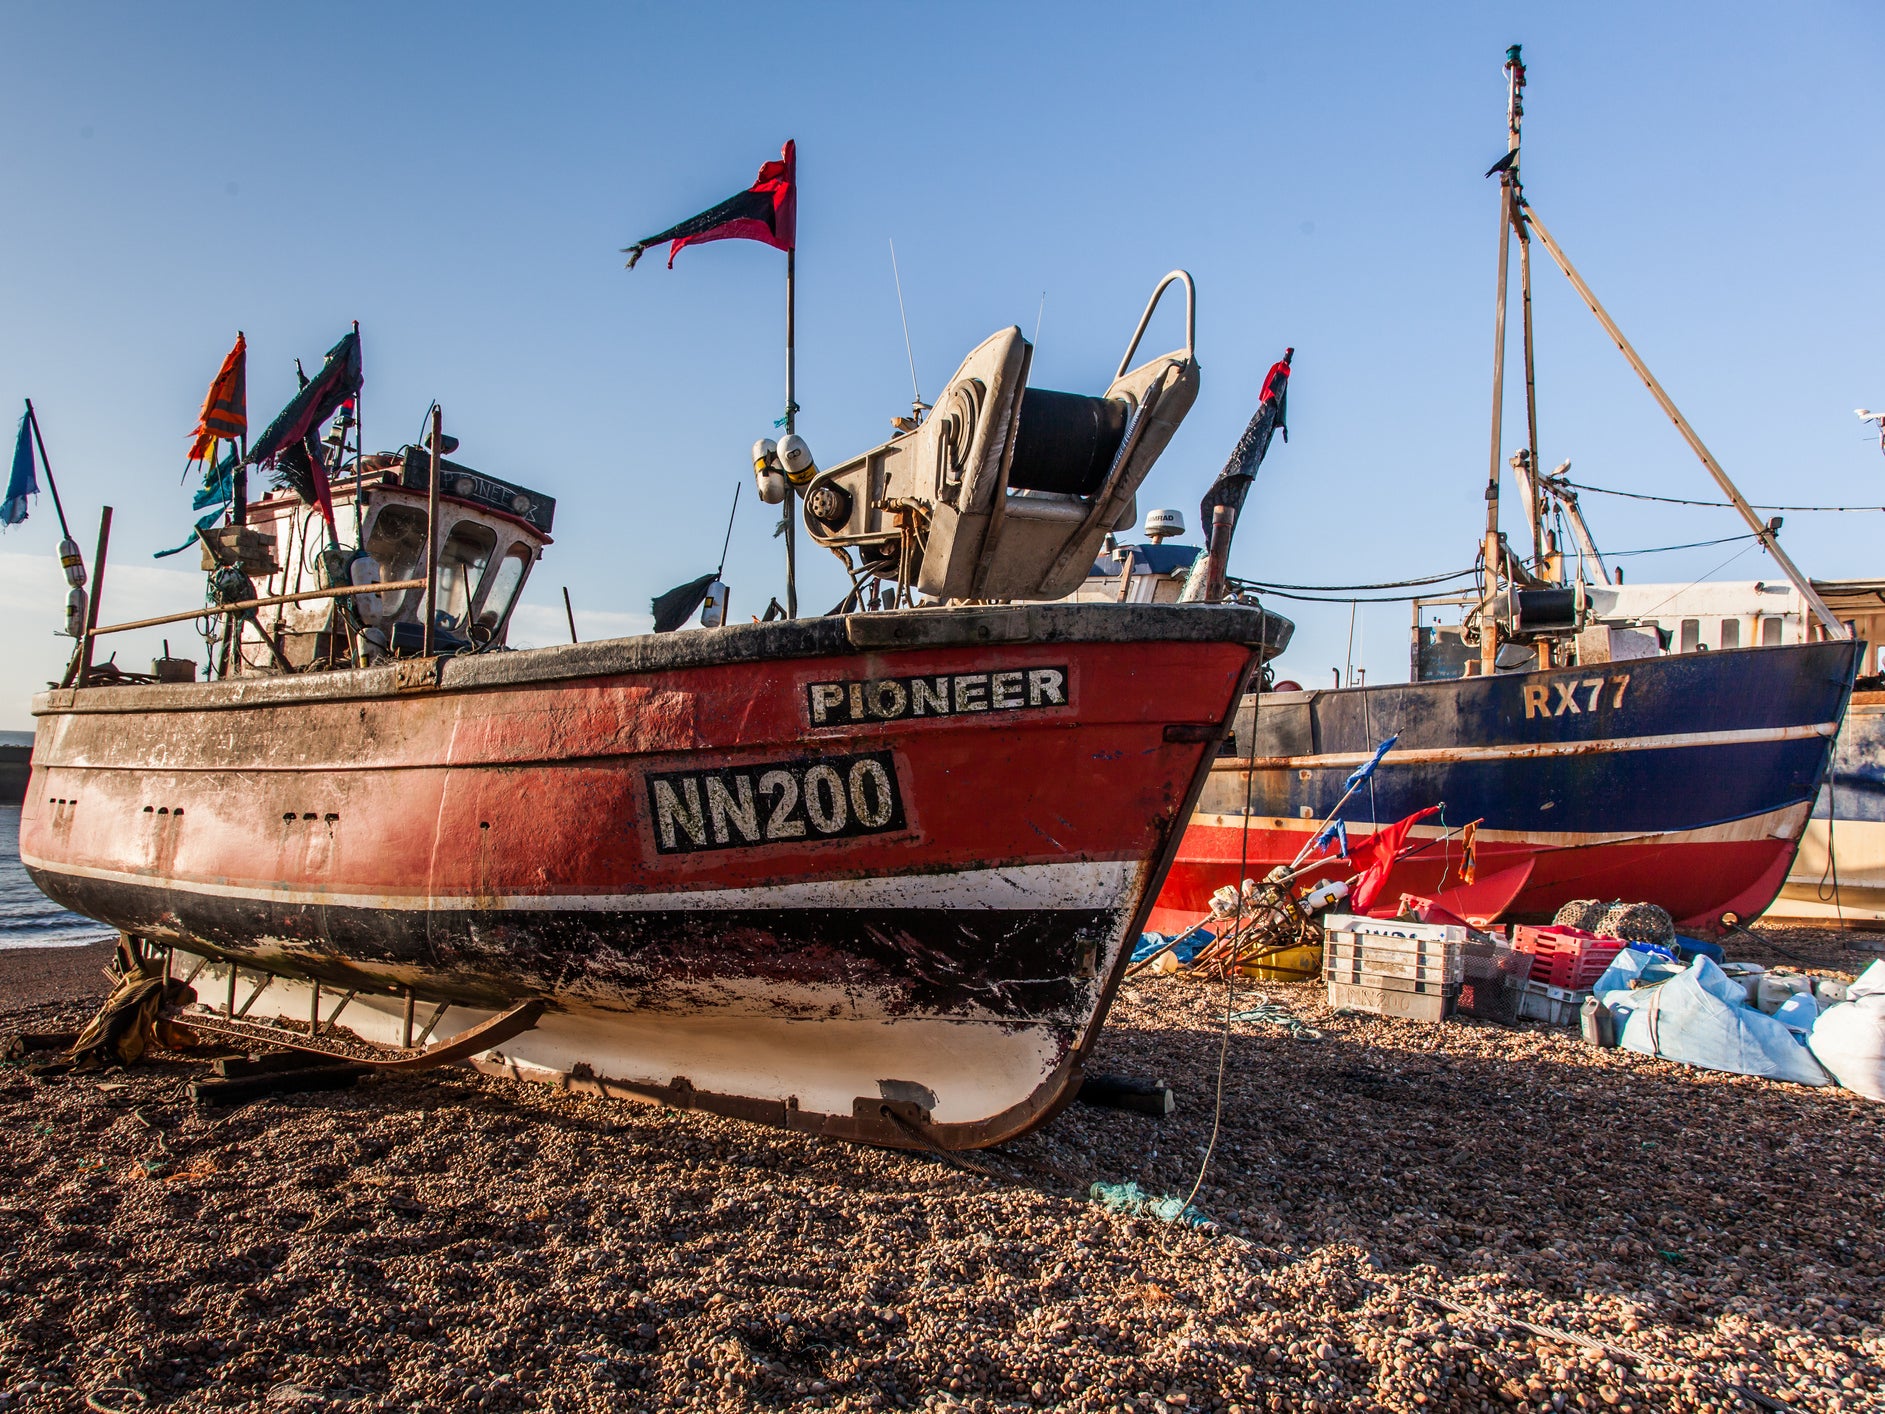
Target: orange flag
{"x": 226, "y": 406}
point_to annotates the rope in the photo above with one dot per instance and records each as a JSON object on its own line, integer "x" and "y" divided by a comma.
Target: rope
{"x": 1269, "y": 1013}
{"x": 1230, "y": 970}
{"x": 1717, "y": 505}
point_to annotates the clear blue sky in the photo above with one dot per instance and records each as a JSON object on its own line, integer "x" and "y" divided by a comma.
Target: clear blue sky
{"x": 459, "y": 178}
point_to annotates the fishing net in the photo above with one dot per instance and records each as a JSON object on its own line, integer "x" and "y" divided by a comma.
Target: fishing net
{"x": 1633, "y": 922}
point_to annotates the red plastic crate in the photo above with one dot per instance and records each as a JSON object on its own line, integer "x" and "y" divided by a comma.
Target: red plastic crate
{"x": 1566, "y": 957}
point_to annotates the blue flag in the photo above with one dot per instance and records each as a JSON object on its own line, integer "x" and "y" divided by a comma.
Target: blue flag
{"x": 1365, "y": 772}
{"x": 1335, "y": 831}
{"x": 24, "y": 483}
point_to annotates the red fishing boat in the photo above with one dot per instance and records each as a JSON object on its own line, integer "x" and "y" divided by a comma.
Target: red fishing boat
{"x": 873, "y": 875}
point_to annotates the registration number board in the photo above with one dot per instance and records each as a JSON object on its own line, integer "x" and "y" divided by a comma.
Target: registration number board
{"x": 744, "y": 807}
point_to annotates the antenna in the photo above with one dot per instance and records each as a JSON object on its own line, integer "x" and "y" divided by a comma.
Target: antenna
{"x": 916, "y": 393}
{"x": 1037, "y": 319}
{"x": 723, "y": 544}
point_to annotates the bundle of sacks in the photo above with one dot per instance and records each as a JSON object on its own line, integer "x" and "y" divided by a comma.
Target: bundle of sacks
{"x": 1743, "y": 1019}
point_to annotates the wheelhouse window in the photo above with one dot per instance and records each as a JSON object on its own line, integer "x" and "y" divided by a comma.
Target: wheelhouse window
{"x": 1691, "y": 635}
{"x": 1770, "y": 631}
{"x": 397, "y": 542}
{"x": 506, "y": 580}
{"x": 461, "y": 565}
{"x": 1730, "y": 634}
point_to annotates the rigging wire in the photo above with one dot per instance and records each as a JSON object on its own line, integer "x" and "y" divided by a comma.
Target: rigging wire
{"x": 1692, "y": 545}
{"x": 1718, "y": 505}
{"x": 1389, "y": 584}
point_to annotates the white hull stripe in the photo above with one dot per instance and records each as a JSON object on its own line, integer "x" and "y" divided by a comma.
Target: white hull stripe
{"x": 1072, "y": 885}
{"x": 1522, "y": 751}
{"x": 1783, "y": 824}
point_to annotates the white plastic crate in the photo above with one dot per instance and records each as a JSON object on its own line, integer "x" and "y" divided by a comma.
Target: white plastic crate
{"x": 1371, "y": 950}
{"x": 1556, "y": 1006}
{"x": 1436, "y": 1005}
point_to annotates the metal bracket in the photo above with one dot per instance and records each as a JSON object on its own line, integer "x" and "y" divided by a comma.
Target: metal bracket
{"x": 417, "y": 674}
{"x": 486, "y": 1034}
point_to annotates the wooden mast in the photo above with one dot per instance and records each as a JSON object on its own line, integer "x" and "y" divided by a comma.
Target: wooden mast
{"x": 1488, "y": 625}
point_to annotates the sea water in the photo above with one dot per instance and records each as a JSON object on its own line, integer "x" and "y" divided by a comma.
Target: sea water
{"x": 28, "y": 919}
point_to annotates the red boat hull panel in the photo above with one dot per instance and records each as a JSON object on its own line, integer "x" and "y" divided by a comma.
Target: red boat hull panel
{"x": 819, "y": 850}
{"x": 1698, "y": 875}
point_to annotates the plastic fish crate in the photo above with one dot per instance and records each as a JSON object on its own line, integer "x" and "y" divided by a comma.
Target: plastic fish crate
{"x": 1390, "y": 1001}
{"x": 1555, "y": 1006}
{"x": 1567, "y": 957}
{"x": 1362, "y": 949}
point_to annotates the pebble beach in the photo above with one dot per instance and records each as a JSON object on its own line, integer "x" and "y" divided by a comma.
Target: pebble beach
{"x": 1400, "y": 1216}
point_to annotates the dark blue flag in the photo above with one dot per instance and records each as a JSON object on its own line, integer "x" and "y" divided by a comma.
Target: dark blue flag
{"x": 24, "y": 482}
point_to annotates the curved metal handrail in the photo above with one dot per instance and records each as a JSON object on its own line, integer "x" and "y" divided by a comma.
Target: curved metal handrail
{"x": 1191, "y": 320}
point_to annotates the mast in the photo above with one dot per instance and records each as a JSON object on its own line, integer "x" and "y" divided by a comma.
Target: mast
{"x": 1488, "y": 628}
{"x": 1534, "y": 501}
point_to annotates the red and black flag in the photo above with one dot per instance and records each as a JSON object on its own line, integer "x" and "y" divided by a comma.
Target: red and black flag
{"x": 766, "y": 211}
{"x": 1234, "y": 480}
{"x": 292, "y": 439}
{"x": 225, "y": 412}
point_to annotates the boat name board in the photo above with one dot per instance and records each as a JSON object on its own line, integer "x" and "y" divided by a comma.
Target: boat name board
{"x": 935, "y": 695}
{"x": 1574, "y": 695}
{"x": 743, "y": 807}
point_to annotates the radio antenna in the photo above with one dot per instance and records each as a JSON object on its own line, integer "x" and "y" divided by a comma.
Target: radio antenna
{"x": 723, "y": 544}
{"x": 916, "y": 394}
{"x": 1037, "y": 319}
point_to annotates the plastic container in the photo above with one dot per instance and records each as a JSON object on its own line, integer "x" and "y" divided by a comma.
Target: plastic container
{"x": 1566, "y": 957}
{"x": 1302, "y": 964}
{"x": 1597, "y": 1024}
{"x": 1556, "y": 1006}
{"x": 1388, "y": 1001}
{"x": 1694, "y": 947}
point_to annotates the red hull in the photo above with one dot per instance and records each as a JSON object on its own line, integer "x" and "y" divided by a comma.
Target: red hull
{"x": 935, "y": 829}
{"x": 1524, "y": 881}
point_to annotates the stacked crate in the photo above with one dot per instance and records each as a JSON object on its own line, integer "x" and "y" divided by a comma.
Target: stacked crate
{"x": 1382, "y": 965}
{"x": 1566, "y": 957}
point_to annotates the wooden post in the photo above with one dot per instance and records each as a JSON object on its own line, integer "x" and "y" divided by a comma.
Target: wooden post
{"x": 98, "y": 592}
{"x": 432, "y": 526}
{"x": 1763, "y": 532}
{"x": 1218, "y": 548}
{"x": 406, "y": 1030}
{"x": 791, "y": 492}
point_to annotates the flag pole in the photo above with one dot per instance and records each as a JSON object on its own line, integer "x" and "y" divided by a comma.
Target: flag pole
{"x": 39, "y": 440}
{"x": 791, "y": 409}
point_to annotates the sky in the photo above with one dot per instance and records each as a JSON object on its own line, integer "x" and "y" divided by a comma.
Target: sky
{"x": 459, "y": 179}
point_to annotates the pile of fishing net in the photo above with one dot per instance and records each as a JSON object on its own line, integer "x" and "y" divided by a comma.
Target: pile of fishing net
{"x": 1633, "y": 922}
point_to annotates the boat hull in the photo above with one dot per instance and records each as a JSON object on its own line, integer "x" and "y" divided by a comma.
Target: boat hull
{"x": 1684, "y": 781}
{"x": 870, "y": 877}
{"x": 1839, "y": 875}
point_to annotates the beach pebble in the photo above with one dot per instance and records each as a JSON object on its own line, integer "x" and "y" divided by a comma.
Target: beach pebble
{"x": 1417, "y": 1198}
